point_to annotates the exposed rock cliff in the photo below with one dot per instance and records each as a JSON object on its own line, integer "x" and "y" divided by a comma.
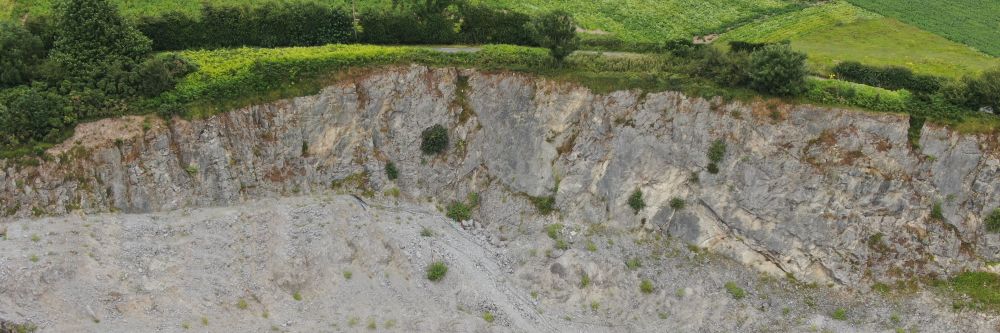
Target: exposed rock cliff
{"x": 825, "y": 195}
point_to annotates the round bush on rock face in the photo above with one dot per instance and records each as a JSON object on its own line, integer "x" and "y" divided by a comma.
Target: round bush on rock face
{"x": 436, "y": 271}
{"x": 435, "y": 140}
{"x": 993, "y": 221}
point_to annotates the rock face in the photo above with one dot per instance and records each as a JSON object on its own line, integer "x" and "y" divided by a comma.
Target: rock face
{"x": 826, "y": 195}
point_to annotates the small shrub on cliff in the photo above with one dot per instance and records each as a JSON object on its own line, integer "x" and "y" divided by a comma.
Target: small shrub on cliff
{"x": 390, "y": 171}
{"x": 677, "y": 203}
{"x": 436, "y": 271}
{"x": 936, "y": 212}
{"x": 992, "y": 221}
{"x": 459, "y": 211}
{"x": 544, "y": 205}
{"x": 839, "y": 314}
{"x": 776, "y": 69}
{"x": 735, "y": 291}
{"x": 434, "y": 140}
{"x": 636, "y": 202}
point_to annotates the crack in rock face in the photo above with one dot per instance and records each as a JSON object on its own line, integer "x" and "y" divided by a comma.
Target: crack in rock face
{"x": 824, "y": 195}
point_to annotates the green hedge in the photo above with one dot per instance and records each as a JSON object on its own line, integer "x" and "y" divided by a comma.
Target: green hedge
{"x": 857, "y": 95}
{"x": 892, "y": 78}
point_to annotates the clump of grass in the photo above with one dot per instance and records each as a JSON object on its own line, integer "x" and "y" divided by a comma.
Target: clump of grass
{"x": 584, "y": 280}
{"x": 242, "y": 304}
{"x": 591, "y": 246}
{"x": 297, "y": 296}
{"x": 636, "y": 201}
{"x": 735, "y": 290}
{"x": 436, "y": 271}
{"x": 936, "y": 212}
{"x": 633, "y": 263}
{"x": 544, "y": 205}
{"x": 35, "y": 238}
{"x": 646, "y": 286}
{"x": 426, "y": 232}
{"x": 191, "y": 169}
{"x": 677, "y": 203}
{"x": 992, "y": 221}
{"x": 839, "y": 314}
{"x": 33, "y": 258}
{"x": 347, "y": 275}
{"x": 371, "y": 324}
{"x": 981, "y": 288}
{"x": 595, "y": 305}
{"x": 562, "y": 245}
{"x": 390, "y": 171}
{"x": 204, "y": 321}
{"x": 488, "y": 317}
{"x": 553, "y": 230}
{"x": 459, "y": 211}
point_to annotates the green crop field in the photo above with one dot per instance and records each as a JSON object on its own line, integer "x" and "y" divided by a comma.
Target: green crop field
{"x": 633, "y": 20}
{"x": 838, "y": 31}
{"x": 973, "y": 22}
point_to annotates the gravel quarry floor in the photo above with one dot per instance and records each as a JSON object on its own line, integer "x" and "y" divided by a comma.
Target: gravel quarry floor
{"x": 336, "y": 263}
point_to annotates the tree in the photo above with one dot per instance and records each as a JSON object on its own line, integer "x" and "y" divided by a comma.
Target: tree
{"x": 984, "y": 90}
{"x": 20, "y": 52}
{"x": 32, "y": 113}
{"x": 95, "y": 47}
{"x": 776, "y": 69}
{"x": 556, "y": 31}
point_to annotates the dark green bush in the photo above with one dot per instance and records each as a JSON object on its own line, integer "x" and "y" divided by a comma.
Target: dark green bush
{"x": 32, "y": 114}
{"x": 436, "y": 271}
{"x": 936, "y": 212}
{"x": 677, "y": 203}
{"x": 556, "y": 31}
{"x": 984, "y": 90}
{"x": 459, "y": 211}
{"x": 746, "y": 47}
{"x": 992, "y": 221}
{"x": 487, "y": 25}
{"x": 892, "y": 77}
{"x": 717, "y": 151}
{"x": 20, "y": 53}
{"x": 390, "y": 171}
{"x": 777, "y": 70}
{"x": 161, "y": 73}
{"x": 712, "y": 168}
{"x": 544, "y": 205}
{"x": 636, "y": 202}
{"x": 173, "y": 31}
{"x": 434, "y": 140}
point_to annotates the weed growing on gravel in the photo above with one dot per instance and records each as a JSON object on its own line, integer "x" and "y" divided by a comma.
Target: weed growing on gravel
{"x": 735, "y": 291}
{"x": 839, "y": 314}
{"x": 553, "y": 230}
{"x": 591, "y": 246}
{"x": 636, "y": 202}
{"x": 562, "y": 245}
{"x": 371, "y": 324}
{"x": 633, "y": 263}
{"x": 389, "y": 324}
{"x": 353, "y": 321}
{"x": 297, "y": 296}
{"x": 544, "y": 205}
{"x": 33, "y": 258}
{"x": 436, "y": 271}
{"x": 265, "y": 314}
{"x": 204, "y": 321}
{"x": 185, "y": 325}
{"x": 191, "y": 169}
{"x": 347, "y": 275}
{"x": 426, "y": 232}
{"x": 242, "y": 304}
{"x": 595, "y": 305}
{"x": 488, "y": 317}
{"x": 646, "y": 286}
{"x": 663, "y": 315}
{"x": 584, "y": 280}
{"x": 35, "y": 238}
{"x": 981, "y": 288}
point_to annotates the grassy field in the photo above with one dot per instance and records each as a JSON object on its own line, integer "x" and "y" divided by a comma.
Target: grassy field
{"x": 973, "y": 22}
{"x": 633, "y": 20}
{"x": 838, "y": 31}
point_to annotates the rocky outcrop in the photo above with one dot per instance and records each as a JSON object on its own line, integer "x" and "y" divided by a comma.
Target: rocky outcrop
{"x": 822, "y": 194}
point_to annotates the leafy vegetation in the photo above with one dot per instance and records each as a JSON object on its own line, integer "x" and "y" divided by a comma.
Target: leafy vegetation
{"x": 459, "y": 211}
{"x": 677, "y": 203}
{"x": 434, "y": 139}
{"x": 390, "y": 170}
{"x": 436, "y": 271}
{"x": 982, "y": 290}
{"x": 971, "y": 22}
{"x": 839, "y": 314}
{"x": 20, "y": 52}
{"x": 735, "y": 291}
{"x": 636, "y": 202}
{"x": 544, "y": 205}
{"x": 992, "y": 221}
{"x": 777, "y": 70}
{"x": 556, "y": 31}
{"x": 646, "y": 286}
